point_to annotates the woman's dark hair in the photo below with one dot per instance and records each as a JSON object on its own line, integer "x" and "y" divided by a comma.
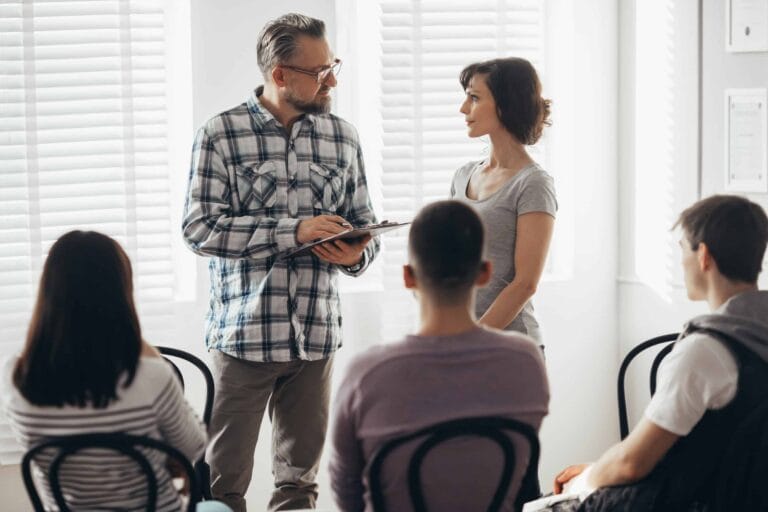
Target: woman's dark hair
{"x": 84, "y": 334}
{"x": 517, "y": 92}
{"x": 734, "y": 229}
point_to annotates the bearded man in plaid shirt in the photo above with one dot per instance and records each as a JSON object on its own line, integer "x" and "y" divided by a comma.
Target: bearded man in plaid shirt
{"x": 267, "y": 176}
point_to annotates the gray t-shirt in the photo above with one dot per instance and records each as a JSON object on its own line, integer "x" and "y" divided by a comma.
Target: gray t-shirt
{"x": 530, "y": 190}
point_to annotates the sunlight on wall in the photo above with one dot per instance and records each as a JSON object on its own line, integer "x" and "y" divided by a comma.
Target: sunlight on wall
{"x": 654, "y": 137}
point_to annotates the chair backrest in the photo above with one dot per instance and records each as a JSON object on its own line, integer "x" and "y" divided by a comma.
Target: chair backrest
{"x": 666, "y": 338}
{"x": 201, "y": 467}
{"x": 169, "y": 352}
{"x": 494, "y": 428}
{"x": 126, "y": 444}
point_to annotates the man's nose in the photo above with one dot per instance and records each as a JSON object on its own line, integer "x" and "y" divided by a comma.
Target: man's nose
{"x": 330, "y": 80}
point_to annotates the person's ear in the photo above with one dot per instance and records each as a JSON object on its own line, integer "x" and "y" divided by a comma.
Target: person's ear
{"x": 704, "y": 257}
{"x": 278, "y": 76}
{"x": 484, "y": 275}
{"x": 409, "y": 278}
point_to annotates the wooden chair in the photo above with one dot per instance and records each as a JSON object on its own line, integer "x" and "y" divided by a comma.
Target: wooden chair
{"x": 202, "y": 468}
{"x": 666, "y": 338}
{"x": 126, "y": 444}
{"x": 495, "y": 429}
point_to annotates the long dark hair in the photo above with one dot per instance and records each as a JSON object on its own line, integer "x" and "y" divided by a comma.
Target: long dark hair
{"x": 516, "y": 90}
{"x": 84, "y": 334}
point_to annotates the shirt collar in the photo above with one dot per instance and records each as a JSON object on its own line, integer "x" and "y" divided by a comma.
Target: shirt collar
{"x": 263, "y": 117}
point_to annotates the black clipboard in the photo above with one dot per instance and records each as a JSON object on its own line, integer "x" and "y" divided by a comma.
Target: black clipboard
{"x": 371, "y": 229}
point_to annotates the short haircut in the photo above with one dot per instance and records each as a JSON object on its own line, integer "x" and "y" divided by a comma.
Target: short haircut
{"x": 516, "y": 90}
{"x": 278, "y": 39}
{"x": 84, "y": 337}
{"x": 734, "y": 229}
{"x": 445, "y": 247}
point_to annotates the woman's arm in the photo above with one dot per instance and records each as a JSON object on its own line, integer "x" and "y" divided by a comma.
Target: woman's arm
{"x": 534, "y": 233}
{"x": 178, "y": 424}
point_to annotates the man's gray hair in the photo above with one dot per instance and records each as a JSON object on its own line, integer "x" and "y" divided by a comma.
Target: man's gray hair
{"x": 277, "y": 40}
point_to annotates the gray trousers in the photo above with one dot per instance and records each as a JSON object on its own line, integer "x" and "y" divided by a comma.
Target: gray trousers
{"x": 296, "y": 394}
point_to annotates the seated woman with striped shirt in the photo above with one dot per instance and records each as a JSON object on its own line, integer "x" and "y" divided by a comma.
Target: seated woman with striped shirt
{"x": 85, "y": 369}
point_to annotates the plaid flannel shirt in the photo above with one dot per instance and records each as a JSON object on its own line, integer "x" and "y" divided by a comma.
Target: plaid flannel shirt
{"x": 250, "y": 185}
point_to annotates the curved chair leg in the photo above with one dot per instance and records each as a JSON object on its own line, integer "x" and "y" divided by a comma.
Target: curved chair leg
{"x": 203, "y": 471}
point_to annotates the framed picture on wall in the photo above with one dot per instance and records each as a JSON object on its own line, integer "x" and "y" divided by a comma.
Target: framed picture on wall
{"x": 746, "y": 28}
{"x": 746, "y": 140}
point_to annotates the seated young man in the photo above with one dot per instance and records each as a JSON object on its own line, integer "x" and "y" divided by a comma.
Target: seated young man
{"x": 451, "y": 368}
{"x": 715, "y": 375}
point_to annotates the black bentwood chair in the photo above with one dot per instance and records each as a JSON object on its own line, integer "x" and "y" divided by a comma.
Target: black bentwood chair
{"x": 201, "y": 467}
{"x": 666, "y": 338}
{"x": 493, "y": 428}
{"x": 119, "y": 442}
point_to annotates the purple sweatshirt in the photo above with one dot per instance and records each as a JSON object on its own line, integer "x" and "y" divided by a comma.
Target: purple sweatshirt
{"x": 399, "y": 388}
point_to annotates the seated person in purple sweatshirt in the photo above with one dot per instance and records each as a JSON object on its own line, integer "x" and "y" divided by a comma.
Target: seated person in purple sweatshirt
{"x": 716, "y": 374}
{"x": 451, "y": 368}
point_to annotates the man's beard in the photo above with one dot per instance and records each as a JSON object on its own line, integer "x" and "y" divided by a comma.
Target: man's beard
{"x": 318, "y": 106}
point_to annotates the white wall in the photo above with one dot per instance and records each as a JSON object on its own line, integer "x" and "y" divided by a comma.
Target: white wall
{"x": 643, "y": 312}
{"x": 579, "y": 314}
{"x": 12, "y": 490}
{"x": 723, "y": 70}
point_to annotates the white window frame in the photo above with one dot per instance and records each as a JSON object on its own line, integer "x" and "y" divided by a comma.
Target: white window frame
{"x": 359, "y": 44}
{"x": 159, "y": 322}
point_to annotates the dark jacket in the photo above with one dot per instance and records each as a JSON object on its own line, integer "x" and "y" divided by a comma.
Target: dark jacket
{"x": 691, "y": 474}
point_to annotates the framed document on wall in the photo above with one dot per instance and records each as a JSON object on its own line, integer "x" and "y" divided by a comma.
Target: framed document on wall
{"x": 746, "y": 140}
{"x": 746, "y": 28}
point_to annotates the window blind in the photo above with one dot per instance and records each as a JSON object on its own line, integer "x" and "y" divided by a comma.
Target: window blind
{"x": 655, "y": 119}
{"x": 425, "y": 45}
{"x": 82, "y": 146}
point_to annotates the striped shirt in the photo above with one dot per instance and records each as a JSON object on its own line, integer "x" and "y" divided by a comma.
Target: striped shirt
{"x": 98, "y": 479}
{"x": 250, "y": 185}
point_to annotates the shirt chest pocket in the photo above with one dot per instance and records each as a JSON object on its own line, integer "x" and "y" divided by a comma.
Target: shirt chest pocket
{"x": 327, "y": 186}
{"x": 256, "y": 186}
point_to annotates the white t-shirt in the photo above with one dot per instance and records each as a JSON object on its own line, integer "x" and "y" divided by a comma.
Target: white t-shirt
{"x": 699, "y": 374}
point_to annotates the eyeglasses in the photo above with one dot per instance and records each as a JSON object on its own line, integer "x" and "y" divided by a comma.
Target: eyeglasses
{"x": 322, "y": 75}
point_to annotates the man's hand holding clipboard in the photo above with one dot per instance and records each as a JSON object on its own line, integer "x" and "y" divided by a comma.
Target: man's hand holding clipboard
{"x": 341, "y": 242}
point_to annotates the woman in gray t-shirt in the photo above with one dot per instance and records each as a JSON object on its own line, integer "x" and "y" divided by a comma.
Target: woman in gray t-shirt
{"x": 513, "y": 195}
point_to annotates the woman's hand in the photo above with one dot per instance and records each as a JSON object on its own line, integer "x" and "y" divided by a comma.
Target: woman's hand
{"x": 176, "y": 470}
{"x": 567, "y": 475}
